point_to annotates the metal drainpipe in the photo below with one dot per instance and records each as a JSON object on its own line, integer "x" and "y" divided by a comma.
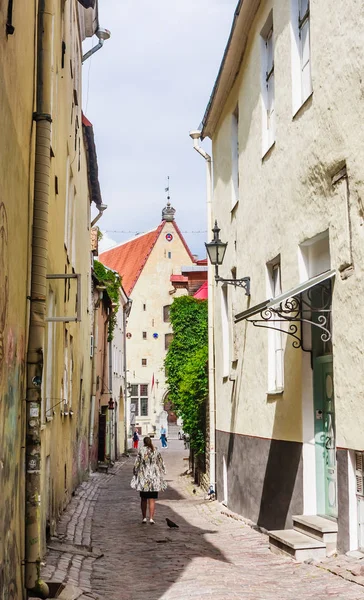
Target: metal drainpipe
{"x": 111, "y": 412}
{"x": 94, "y": 358}
{"x": 35, "y": 350}
{"x": 195, "y": 135}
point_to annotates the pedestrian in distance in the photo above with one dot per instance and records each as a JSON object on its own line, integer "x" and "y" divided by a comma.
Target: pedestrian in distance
{"x": 135, "y": 440}
{"x": 163, "y": 437}
{"x": 148, "y": 478}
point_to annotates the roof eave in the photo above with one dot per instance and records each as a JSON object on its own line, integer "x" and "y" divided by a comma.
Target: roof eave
{"x": 230, "y": 64}
{"x": 92, "y": 165}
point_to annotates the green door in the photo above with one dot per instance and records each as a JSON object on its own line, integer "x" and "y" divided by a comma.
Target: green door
{"x": 325, "y": 436}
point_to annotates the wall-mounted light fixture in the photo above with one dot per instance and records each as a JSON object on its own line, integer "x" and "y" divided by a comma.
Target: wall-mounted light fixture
{"x": 216, "y": 251}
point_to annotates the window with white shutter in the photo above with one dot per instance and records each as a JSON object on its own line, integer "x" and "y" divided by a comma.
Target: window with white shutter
{"x": 301, "y": 53}
{"x": 275, "y": 336}
{"x": 267, "y": 85}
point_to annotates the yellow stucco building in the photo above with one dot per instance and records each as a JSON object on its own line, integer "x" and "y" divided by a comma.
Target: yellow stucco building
{"x": 48, "y": 171}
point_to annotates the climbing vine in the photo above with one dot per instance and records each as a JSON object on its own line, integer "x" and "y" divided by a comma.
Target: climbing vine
{"x": 112, "y": 281}
{"x": 186, "y": 366}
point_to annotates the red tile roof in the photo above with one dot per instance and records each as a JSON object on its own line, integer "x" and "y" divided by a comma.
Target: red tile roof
{"x": 129, "y": 258}
{"x": 202, "y": 292}
{"x": 179, "y": 279}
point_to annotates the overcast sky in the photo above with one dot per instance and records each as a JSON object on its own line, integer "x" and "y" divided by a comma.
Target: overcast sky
{"x": 143, "y": 92}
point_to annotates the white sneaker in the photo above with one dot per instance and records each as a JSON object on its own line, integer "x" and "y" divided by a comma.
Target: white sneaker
{"x": 151, "y": 521}
{"x": 144, "y": 521}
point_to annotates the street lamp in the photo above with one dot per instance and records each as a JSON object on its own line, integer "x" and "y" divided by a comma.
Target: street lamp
{"x": 216, "y": 251}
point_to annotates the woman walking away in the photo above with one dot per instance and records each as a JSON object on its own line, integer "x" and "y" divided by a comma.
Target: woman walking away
{"x": 135, "y": 440}
{"x": 148, "y": 478}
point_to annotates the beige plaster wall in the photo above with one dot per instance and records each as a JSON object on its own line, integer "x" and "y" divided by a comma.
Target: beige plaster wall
{"x": 153, "y": 289}
{"x": 285, "y": 199}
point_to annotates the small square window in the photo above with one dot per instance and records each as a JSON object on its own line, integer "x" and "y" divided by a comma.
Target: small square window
{"x": 144, "y": 362}
{"x": 144, "y": 333}
{"x": 166, "y": 313}
{"x": 167, "y": 340}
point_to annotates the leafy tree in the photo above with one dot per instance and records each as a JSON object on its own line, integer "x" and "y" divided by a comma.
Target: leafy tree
{"x": 186, "y": 365}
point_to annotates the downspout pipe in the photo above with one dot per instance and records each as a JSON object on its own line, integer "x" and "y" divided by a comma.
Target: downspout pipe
{"x": 196, "y": 135}
{"x": 38, "y": 292}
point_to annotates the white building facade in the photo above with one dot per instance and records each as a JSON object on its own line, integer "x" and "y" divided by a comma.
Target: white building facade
{"x": 146, "y": 265}
{"x": 285, "y": 122}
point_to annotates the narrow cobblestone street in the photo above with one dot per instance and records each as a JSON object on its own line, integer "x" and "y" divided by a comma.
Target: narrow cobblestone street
{"x": 210, "y": 555}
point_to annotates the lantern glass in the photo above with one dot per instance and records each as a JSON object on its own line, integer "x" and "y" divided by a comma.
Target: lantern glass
{"x": 216, "y": 248}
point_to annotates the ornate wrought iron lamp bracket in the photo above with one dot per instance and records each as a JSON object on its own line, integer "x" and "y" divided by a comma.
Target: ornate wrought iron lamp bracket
{"x": 244, "y": 282}
{"x": 295, "y": 310}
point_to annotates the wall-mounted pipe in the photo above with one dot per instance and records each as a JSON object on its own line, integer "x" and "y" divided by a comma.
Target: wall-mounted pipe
{"x": 101, "y": 208}
{"x": 102, "y": 34}
{"x": 38, "y": 291}
{"x": 195, "y": 135}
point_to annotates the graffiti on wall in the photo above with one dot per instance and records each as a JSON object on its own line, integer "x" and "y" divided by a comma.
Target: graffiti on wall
{"x": 4, "y": 280}
{"x": 12, "y": 361}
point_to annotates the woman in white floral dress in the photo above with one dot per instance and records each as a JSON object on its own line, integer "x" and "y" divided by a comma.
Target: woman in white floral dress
{"x": 148, "y": 478}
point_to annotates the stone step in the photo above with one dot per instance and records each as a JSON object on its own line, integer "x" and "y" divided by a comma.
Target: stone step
{"x": 319, "y": 528}
{"x": 296, "y": 545}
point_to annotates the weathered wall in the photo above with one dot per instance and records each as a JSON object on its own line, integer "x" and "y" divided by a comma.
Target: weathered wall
{"x": 264, "y": 478}
{"x": 16, "y": 108}
{"x": 277, "y": 212}
{"x": 67, "y": 367}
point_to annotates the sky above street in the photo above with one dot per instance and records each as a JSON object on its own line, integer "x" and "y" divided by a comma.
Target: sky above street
{"x": 143, "y": 92}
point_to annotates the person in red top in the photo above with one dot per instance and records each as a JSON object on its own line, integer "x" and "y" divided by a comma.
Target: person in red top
{"x": 135, "y": 440}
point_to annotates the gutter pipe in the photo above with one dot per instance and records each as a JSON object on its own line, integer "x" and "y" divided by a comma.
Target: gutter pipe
{"x": 196, "y": 135}
{"x": 38, "y": 292}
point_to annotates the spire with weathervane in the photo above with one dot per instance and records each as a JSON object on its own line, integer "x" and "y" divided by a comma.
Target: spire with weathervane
{"x": 168, "y": 211}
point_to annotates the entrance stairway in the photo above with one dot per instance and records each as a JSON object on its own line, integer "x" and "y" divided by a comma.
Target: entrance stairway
{"x": 173, "y": 431}
{"x": 311, "y": 537}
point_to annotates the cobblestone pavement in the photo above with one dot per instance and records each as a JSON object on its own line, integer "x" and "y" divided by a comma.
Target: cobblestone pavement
{"x": 210, "y": 555}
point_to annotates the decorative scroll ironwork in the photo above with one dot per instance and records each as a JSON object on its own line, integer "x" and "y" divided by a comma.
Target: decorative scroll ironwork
{"x": 297, "y": 310}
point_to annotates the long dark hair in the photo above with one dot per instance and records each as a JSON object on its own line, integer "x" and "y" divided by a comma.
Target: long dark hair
{"x": 148, "y": 443}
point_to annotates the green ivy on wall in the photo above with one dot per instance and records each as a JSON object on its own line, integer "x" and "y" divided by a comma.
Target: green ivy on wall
{"x": 112, "y": 282}
{"x": 186, "y": 366}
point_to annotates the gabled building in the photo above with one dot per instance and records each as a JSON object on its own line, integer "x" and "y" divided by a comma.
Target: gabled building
{"x": 285, "y": 119}
{"x": 145, "y": 265}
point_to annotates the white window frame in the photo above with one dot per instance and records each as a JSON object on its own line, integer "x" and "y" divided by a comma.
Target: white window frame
{"x": 235, "y": 157}
{"x": 136, "y": 399}
{"x": 267, "y": 85}
{"x": 300, "y": 53}
{"x": 275, "y": 336}
{"x": 225, "y": 331}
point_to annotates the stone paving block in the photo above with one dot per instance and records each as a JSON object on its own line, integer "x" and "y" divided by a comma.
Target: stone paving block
{"x": 214, "y": 554}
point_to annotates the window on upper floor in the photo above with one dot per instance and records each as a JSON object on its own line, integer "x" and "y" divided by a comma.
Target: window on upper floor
{"x": 144, "y": 335}
{"x": 167, "y": 340}
{"x": 144, "y": 362}
{"x": 275, "y": 336}
{"x": 139, "y": 399}
{"x": 166, "y": 313}
{"x": 144, "y": 307}
{"x": 267, "y": 85}
{"x": 301, "y": 53}
{"x": 235, "y": 157}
